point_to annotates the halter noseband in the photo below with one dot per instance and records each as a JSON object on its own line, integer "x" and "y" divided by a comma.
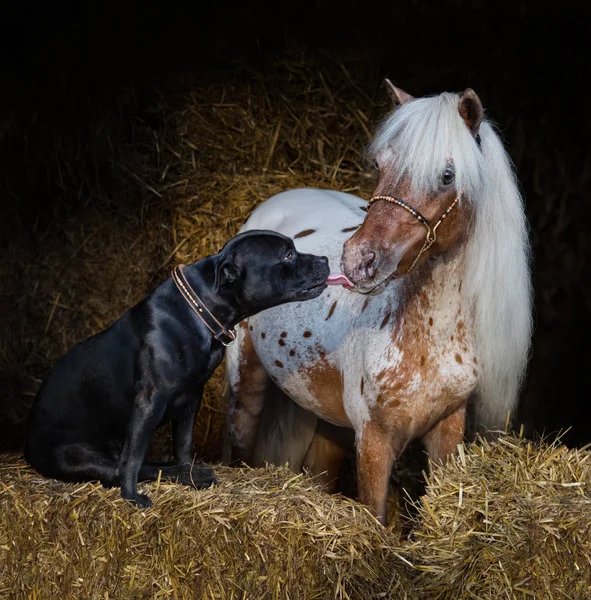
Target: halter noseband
{"x": 431, "y": 236}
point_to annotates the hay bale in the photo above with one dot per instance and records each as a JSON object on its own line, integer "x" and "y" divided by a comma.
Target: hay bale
{"x": 261, "y": 533}
{"x": 509, "y": 519}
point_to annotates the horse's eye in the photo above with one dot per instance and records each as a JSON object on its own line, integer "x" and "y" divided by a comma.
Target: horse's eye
{"x": 447, "y": 176}
{"x": 376, "y": 165}
{"x": 289, "y": 255}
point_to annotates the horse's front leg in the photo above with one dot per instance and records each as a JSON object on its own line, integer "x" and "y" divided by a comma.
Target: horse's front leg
{"x": 376, "y": 453}
{"x": 443, "y": 438}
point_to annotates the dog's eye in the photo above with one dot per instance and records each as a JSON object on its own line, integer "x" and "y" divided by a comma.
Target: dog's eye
{"x": 447, "y": 176}
{"x": 289, "y": 255}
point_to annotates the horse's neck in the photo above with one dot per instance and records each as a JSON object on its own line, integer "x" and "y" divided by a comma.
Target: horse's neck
{"x": 437, "y": 285}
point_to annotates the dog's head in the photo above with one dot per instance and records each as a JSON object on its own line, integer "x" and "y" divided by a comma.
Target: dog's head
{"x": 261, "y": 269}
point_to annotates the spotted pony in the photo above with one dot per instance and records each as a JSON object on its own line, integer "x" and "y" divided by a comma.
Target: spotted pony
{"x": 439, "y": 310}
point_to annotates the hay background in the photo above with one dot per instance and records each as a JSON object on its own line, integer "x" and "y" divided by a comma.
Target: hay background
{"x": 134, "y": 139}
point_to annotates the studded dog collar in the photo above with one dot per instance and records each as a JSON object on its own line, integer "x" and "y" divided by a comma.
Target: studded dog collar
{"x": 219, "y": 332}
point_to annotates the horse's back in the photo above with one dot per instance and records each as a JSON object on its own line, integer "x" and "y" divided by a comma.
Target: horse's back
{"x": 314, "y": 218}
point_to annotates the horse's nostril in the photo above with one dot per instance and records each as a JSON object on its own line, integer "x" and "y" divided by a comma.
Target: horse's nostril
{"x": 370, "y": 265}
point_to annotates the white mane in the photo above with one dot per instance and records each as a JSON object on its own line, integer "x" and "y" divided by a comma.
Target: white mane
{"x": 420, "y": 137}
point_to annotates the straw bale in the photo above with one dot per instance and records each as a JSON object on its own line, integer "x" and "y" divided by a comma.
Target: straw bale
{"x": 263, "y": 533}
{"x": 509, "y": 519}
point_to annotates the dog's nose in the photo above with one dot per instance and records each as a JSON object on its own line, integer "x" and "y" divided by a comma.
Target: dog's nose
{"x": 369, "y": 264}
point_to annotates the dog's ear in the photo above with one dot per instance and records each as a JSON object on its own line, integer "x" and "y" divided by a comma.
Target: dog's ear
{"x": 227, "y": 274}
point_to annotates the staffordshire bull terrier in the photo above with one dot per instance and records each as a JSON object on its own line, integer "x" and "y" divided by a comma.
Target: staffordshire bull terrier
{"x": 96, "y": 412}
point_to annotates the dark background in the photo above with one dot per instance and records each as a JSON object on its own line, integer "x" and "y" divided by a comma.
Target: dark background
{"x": 68, "y": 71}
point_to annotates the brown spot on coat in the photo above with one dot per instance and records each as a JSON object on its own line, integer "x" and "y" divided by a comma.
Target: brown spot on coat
{"x": 365, "y": 304}
{"x": 362, "y": 384}
{"x": 459, "y": 359}
{"x": 263, "y": 334}
{"x": 292, "y": 352}
{"x": 307, "y": 334}
{"x": 279, "y": 364}
{"x": 304, "y": 233}
{"x": 331, "y": 311}
{"x": 430, "y": 321}
{"x": 281, "y": 342}
{"x": 347, "y": 229}
{"x": 250, "y": 327}
{"x": 284, "y": 334}
{"x": 423, "y": 359}
{"x": 385, "y": 319}
{"x": 325, "y": 382}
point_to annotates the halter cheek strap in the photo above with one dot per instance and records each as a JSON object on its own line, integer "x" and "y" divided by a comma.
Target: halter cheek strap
{"x": 431, "y": 236}
{"x": 219, "y": 332}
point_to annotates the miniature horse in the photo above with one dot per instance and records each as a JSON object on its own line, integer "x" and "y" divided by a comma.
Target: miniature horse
{"x": 439, "y": 311}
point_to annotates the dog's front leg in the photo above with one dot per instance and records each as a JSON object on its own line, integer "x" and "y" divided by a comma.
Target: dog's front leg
{"x": 146, "y": 415}
{"x": 183, "y": 428}
{"x": 182, "y": 436}
{"x": 188, "y": 472}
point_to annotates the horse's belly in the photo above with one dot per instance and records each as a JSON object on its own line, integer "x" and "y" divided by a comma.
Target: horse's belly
{"x": 298, "y": 348}
{"x": 298, "y": 343}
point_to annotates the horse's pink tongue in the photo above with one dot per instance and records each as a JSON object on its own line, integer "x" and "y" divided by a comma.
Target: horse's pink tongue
{"x": 339, "y": 279}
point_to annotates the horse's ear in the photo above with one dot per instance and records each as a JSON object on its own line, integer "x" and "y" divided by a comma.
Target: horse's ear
{"x": 397, "y": 95}
{"x": 470, "y": 109}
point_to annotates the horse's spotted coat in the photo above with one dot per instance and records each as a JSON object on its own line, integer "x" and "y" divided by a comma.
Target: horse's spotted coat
{"x": 401, "y": 360}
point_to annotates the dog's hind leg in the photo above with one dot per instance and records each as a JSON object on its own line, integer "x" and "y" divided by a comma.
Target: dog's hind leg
{"x": 75, "y": 462}
{"x": 78, "y": 462}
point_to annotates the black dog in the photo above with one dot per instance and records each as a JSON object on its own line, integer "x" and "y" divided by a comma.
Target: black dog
{"x": 97, "y": 410}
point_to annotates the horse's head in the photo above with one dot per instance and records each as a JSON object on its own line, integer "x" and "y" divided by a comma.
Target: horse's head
{"x": 427, "y": 156}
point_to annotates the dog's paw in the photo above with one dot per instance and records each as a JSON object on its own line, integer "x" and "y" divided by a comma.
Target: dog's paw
{"x": 196, "y": 475}
{"x": 140, "y": 500}
{"x": 202, "y": 476}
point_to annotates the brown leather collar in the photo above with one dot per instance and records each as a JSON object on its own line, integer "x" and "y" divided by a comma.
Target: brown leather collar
{"x": 219, "y": 332}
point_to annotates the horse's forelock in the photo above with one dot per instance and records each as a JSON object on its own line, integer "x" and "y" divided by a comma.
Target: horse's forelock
{"x": 419, "y": 139}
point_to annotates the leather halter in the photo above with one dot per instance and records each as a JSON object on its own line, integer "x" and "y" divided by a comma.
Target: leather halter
{"x": 431, "y": 236}
{"x": 219, "y": 332}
